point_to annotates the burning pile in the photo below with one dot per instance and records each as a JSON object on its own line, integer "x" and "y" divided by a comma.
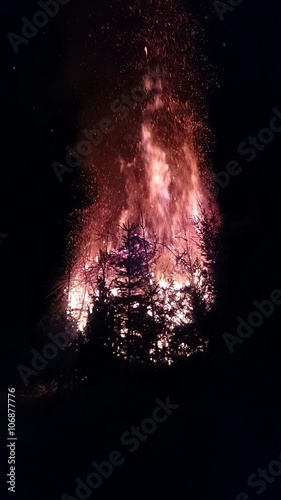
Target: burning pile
{"x": 147, "y": 250}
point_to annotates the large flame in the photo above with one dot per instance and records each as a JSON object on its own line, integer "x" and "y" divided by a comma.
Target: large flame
{"x": 165, "y": 181}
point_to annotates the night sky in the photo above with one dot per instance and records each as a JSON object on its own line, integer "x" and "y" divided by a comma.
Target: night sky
{"x": 63, "y": 80}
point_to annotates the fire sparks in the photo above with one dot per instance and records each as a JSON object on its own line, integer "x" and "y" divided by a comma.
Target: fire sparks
{"x": 165, "y": 190}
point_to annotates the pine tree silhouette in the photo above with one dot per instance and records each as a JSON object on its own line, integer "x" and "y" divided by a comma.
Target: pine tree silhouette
{"x": 132, "y": 280}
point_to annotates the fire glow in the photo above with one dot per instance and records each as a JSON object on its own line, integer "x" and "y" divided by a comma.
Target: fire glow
{"x": 165, "y": 192}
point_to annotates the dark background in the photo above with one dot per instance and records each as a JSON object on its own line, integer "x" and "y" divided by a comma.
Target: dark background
{"x": 44, "y": 88}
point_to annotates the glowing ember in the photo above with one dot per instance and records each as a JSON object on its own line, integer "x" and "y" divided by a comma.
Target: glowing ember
{"x": 165, "y": 191}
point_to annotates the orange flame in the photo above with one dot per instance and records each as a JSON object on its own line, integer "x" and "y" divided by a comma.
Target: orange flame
{"x": 166, "y": 180}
